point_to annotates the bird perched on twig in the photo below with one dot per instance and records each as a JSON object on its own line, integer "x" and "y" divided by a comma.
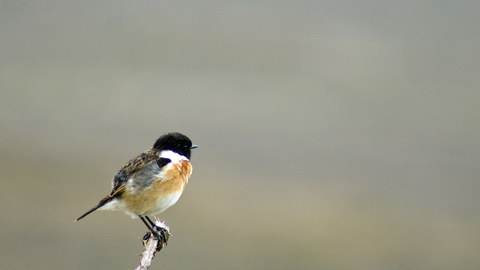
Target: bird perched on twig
{"x": 152, "y": 181}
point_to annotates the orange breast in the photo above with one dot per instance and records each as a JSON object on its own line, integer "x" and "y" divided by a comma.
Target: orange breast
{"x": 163, "y": 193}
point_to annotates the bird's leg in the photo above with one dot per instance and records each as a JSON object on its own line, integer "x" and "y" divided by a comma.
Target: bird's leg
{"x": 155, "y": 231}
{"x": 162, "y": 230}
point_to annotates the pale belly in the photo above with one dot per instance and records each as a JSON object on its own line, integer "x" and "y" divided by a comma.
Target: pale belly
{"x": 163, "y": 203}
{"x": 148, "y": 208}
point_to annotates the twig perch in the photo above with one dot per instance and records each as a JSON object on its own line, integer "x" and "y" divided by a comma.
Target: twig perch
{"x": 152, "y": 245}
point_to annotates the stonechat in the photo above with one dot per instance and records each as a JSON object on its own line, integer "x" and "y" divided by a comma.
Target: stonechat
{"x": 152, "y": 181}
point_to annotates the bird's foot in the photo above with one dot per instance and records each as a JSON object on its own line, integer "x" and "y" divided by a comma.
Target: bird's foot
{"x": 161, "y": 232}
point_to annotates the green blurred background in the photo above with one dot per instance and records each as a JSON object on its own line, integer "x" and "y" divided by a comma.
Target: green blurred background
{"x": 333, "y": 135}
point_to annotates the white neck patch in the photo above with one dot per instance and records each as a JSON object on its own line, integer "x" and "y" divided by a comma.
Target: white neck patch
{"x": 174, "y": 157}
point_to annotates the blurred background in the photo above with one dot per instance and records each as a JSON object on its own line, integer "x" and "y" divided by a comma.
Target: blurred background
{"x": 332, "y": 135}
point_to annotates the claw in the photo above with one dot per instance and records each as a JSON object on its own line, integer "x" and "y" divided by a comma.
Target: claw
{"x": 147, "y": 236}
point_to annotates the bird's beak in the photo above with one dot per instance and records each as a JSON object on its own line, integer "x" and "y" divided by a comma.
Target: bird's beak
{"x": 194, "y": 146}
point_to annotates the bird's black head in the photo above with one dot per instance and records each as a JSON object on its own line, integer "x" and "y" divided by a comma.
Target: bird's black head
{"x": 176, "y": 142}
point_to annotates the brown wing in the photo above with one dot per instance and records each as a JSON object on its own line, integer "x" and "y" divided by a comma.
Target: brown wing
{"x": 129, "y": 170}
{"x": 120, "y": 179}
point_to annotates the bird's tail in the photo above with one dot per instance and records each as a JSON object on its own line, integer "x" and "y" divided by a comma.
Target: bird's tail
{"x": 99, "y": 205}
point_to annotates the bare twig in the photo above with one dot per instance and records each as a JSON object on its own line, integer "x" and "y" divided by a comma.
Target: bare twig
{"x": 152, "y": 245}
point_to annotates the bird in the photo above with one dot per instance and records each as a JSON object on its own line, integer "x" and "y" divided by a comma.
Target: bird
{"x": 151, "y": 182}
